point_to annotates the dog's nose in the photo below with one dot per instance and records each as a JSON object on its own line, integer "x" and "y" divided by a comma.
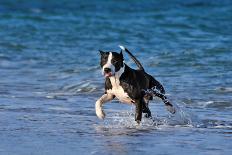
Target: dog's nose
{"x": 107, "y": 70}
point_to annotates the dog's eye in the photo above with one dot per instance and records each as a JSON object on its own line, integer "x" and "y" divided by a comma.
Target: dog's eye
{"x": 104, "y": 57}
{"x": 114, "y": 61}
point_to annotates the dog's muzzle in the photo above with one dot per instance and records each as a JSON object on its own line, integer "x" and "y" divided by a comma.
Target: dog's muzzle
{"x": 107, "y": 72}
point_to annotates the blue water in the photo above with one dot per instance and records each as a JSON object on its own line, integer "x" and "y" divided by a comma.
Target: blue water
{"x": 50, "y": 76}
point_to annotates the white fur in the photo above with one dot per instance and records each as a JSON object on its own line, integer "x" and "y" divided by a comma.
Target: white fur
{"x": 122, "y": 47}
{"x": 117, "y": 90}
{"x": 109, "y": 64}
{"x": 98, "y": 106}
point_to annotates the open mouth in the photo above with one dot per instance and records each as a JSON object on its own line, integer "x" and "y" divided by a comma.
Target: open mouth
{"x": 109, "y": 74}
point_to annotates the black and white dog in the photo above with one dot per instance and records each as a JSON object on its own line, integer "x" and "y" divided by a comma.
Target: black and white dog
{"x": 128, "y": 85}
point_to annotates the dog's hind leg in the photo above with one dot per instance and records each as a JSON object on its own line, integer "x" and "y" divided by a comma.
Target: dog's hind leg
{"x": 98, "y": 106}
{"x": 168, "y": 105}
{"x": 157, "y": 85}
{"x": 147, "y": 96}
{"x": 146, "y": 109}
{"x": 157, "y": 93}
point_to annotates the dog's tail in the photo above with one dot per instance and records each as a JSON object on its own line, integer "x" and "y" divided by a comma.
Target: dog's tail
{"x": 139, "y": 65}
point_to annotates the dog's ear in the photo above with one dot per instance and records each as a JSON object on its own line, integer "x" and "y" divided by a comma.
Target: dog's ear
{"x": 121, "y": 54}
{"x": 101, "y": 52}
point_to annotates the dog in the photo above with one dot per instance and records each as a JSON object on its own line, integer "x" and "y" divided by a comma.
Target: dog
{"x": 128, "y": 85}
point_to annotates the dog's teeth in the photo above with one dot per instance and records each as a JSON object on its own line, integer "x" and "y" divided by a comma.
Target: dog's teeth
{"x": 122, "y": 47}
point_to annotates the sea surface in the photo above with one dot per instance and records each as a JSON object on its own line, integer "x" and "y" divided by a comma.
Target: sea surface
{"x": 50, "y": 76}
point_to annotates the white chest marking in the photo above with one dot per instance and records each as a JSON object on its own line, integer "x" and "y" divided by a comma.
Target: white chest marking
{"x": 118, "y": 91}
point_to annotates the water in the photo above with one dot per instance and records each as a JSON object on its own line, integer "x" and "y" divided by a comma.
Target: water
{"x": 50, "y": 76}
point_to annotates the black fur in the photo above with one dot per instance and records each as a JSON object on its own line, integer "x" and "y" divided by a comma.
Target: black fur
{"x": 104, "y": 57}
{"x": 108, "y": 84}
{"x": 117, "y": 60}
{"x": 134, "y": 81}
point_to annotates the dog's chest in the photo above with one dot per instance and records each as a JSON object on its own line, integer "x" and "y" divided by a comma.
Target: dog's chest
{"x": 118, "y": 91}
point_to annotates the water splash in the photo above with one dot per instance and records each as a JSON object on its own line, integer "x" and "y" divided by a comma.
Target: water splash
{"x": 183, "y": 116}
{"x": 125, "y": 120}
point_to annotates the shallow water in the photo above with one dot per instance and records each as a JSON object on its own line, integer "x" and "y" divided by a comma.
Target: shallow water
{"x": 50, "y": 76}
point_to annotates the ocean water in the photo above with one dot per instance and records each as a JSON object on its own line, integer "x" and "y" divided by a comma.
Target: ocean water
{"x": 50, "y": 76}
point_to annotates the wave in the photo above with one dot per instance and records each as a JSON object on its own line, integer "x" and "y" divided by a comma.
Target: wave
{"x": 215, "y": 104}
{"x": 224, "y": 89}
{"x": 215, "y": 123}
{"x": 82, "y": 87}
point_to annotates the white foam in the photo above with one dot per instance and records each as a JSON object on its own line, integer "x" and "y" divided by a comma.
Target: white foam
{"x": 224, "y": 89}
{"x": 122, "y": 120}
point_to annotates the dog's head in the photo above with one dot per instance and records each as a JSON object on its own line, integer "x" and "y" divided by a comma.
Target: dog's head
{"x": 111, "y": 62}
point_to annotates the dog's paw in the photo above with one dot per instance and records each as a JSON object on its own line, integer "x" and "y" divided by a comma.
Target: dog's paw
{"x": 138, "y": 122}
{"x": 171, "y": 108}
{"x": 100, "y": 113}
{"x": 148, "y": 115}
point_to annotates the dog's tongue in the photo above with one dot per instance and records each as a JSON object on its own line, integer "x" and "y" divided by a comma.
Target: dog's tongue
{"x": 108, "y": 74}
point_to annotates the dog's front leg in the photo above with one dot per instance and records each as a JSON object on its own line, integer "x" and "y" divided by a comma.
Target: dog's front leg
{"x": 98, "y": 106}
{"x": 138, "y": 110}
